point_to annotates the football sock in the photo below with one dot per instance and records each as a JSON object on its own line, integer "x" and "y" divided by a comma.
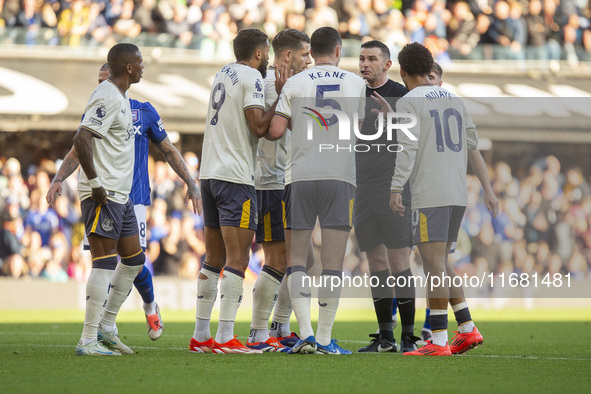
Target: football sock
{"x": 121, "y": 285}
{"x": 230, "y": 298}
{"x": 405, "y": 297}
{"x": 207, "y": 290}
{"x": 427, "y": 323}
{"x": 439, "y": 326}
{"x": 328, "y": 302}
{"x": 143, "y": 284}
{"x": 463, "y": 317}
{"x": 96, "y": 296}
{"x": 264, "y": 296}
{"x": 300, "y": 293}
{"x": 282, "y": 313}
{"x": 383, "y": 304}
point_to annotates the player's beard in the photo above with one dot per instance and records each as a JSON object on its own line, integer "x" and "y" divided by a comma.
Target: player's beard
{"x": 263, "y": 68}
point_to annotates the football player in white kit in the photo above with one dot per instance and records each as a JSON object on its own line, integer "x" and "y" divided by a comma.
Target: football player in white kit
{"x": 236, "y": 119}
{"x": 435, "y": 164}
{"x": 291, "y": 47}
{"x": 104, "y": 145}
{"x": 319, "y": 184}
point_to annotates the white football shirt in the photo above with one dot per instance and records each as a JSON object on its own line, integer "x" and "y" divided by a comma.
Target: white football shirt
{"x": 435, "y": 164}
{"x": 229, "y": 149}
{"x": 108, "y": 118}
{"x": 271, "y": 155}
{"x": 311, "y": 99}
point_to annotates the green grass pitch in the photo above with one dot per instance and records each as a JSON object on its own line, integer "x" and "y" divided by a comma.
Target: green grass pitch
{"x": 523, "y": 351}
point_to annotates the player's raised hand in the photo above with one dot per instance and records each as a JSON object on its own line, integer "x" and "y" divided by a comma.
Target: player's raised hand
{"x": 384, "y": 105}
{"x": 282, "y": 73}
{"x": 99, "y": 196}
{"x": 396, "y": 203}
{"x": 492, "y": 204}
{"x": 194, "y": 195}
{"x": 54, "y": 188}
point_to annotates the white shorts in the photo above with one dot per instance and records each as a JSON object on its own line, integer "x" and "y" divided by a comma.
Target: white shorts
{"x": 140, "y": 214}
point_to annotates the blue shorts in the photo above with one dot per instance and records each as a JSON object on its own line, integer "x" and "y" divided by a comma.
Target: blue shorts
{"x": 376, "y": 224}
{"x": 228, "y": 204}
{"x": 439, "y": 224}
{"x": 270, "y": 210}
{"x": 330, "y": 201}
{"x": 110, "y": 220}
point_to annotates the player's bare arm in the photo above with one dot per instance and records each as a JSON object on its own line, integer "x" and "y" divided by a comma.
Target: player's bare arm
{"x": 259, "y": 120}
{"x": 67, "y": 168}
{"x": 177, "y": 163}
{"x": 478, "y": 165}
{"x": 83, "y": 146}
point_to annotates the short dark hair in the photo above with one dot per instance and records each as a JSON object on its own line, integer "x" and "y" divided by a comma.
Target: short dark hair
{"x": 120, "y": 55}
{"x": 104, "y": 67}
{"x": 289, "y": 39}
{"x": 415, "y": 59}
{"x": 380, "y": 45}
{"x": 324, "y": 41}
{"x": 247, "y": 41}
{"x": 437, "y": 69}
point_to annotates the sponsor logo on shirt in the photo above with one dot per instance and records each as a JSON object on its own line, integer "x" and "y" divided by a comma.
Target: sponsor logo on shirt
{"x": 258, "y": 85}
{"x": 160, "y": 125}
{"x": 96, "y": 121}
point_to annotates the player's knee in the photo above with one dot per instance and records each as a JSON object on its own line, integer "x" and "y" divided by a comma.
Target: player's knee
{"x": 135, "y": 259}
{"x": 105, "y": 262}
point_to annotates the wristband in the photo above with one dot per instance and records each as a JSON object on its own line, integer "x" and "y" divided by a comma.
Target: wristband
{"x": 395, "y": 191}
{"x": 95, "y": 183}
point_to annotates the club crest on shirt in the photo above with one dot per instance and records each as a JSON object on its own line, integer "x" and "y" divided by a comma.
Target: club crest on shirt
{"x": 107, "y": 224}
{"x": 135, "y": 115}
{"x": 101, "y": 111}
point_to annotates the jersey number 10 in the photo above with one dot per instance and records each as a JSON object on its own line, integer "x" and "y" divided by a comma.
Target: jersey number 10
{"x": 448, "y": 113}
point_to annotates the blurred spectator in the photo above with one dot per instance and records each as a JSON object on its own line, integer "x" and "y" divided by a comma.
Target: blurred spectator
{"x": 538, "y": 32}
{"x": 461, "y": 31}
{"x": 41, "y": 219}
{"x": 74, "y": 23}
{"x": 10, "y": 244}
{"x": 126, "y": 26}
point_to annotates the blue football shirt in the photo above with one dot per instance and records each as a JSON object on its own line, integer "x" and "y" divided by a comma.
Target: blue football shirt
{"x": 147, "y": 126}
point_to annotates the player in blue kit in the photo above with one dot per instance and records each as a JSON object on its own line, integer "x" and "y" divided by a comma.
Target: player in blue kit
{"x": 147, "y": 127}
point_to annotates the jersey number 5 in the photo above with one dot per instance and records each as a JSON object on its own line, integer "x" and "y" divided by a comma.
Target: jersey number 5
{"x": 217, "y": 104}
{"x": 323, "y": 102}
{"x": 448, "y": 113}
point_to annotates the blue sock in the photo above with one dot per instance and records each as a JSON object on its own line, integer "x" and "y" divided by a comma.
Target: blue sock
{"x": 427, "y": 324}
{"x": 394, "y": 307}
{"x": 143, "y": 284}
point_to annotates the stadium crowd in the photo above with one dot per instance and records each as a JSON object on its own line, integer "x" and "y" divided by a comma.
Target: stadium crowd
{"x": 544, "y": 225}
{"x": 473, "y": 29}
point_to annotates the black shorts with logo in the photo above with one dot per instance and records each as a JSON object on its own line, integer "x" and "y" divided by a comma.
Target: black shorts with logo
{"x": 110, "y": 220}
